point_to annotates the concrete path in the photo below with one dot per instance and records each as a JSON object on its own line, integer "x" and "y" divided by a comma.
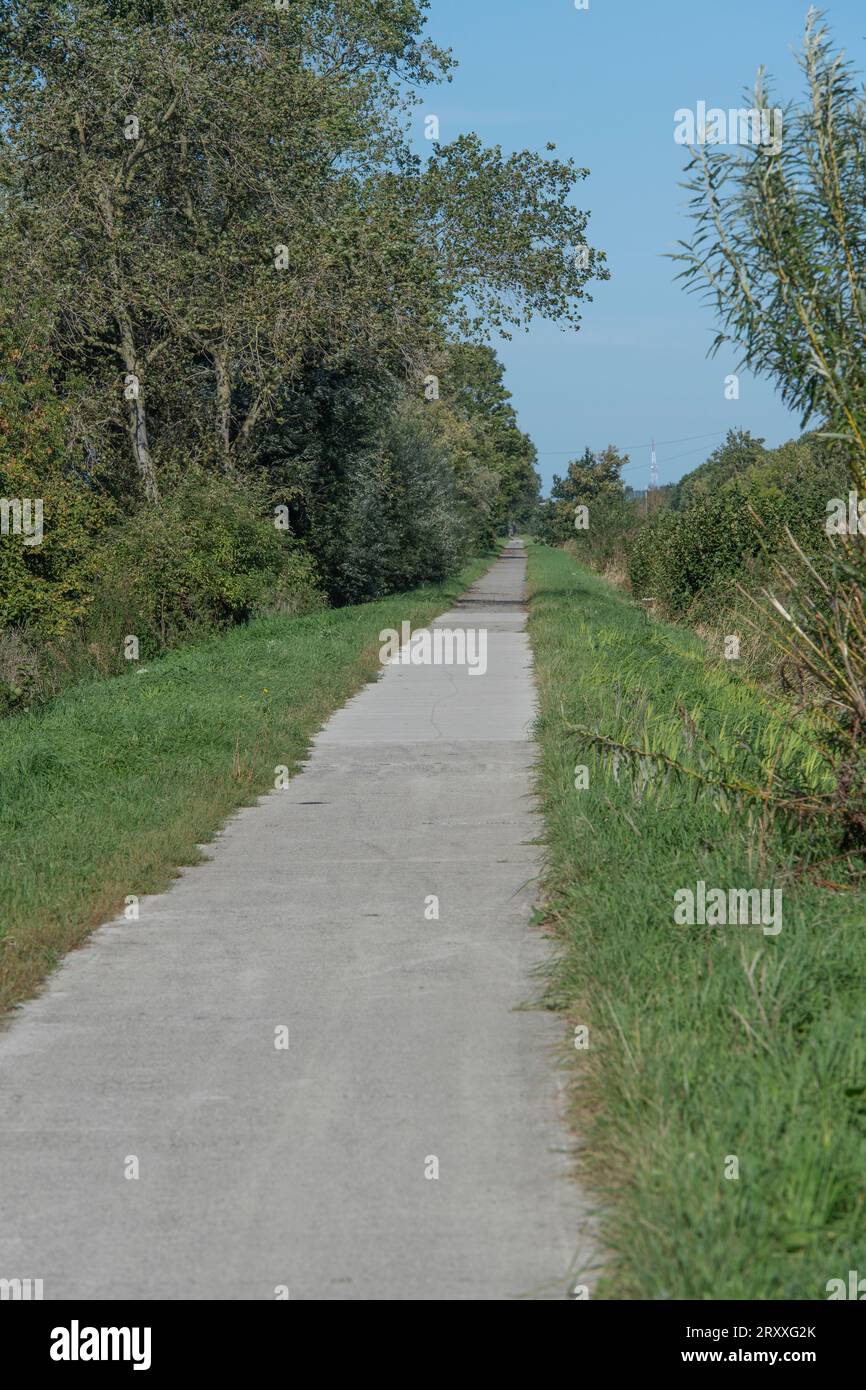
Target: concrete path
{"x": 306, "y": 1168}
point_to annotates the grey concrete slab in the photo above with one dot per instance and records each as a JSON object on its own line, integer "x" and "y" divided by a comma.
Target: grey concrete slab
{"x": 408, "y": 1039}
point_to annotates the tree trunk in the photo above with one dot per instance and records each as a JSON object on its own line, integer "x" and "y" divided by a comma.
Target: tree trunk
{"x": 137, "y": 416}
{"x": 223, "y": 405}
{"x": 135, "y": 406}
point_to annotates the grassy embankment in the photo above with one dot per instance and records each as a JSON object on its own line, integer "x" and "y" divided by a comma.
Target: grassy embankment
{"x": 106, "y": 791}
{"x": 705, "y": 1042}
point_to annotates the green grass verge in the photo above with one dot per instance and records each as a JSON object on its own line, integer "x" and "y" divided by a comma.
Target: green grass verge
{"x": 107, "y": 791}
{"x": 705, "y": 1042}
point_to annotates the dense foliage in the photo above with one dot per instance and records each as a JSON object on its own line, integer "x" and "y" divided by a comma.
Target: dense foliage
{"x": 777, "y": 248}
{"x": 247, "y": 321}
{"x": 726, "y": 520}
{"x": 588, "y": 505}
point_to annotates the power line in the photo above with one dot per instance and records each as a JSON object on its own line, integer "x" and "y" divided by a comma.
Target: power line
{"x": 647, "y": 444}
{"x": 689, "y": 453}
{"x": 687, "y": 439}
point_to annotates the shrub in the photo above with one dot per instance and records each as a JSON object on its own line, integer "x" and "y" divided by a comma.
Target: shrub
{"x": 729, "y": 523}
{"x": 206, "y": 556}
{"x": 612, "y": 520}
{"x": 19, "y": 671}
{"x": 44, "y": 587}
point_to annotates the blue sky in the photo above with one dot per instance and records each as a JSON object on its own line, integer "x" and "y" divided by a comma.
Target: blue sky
{"x": 604, "y": 85}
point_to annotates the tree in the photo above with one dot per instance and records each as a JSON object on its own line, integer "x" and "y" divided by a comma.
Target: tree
{"x": 403, "y": 521}
{"x": 778, "y": 247}
{"x": 213, "y": 196}
{"x": 491, "y": 455}
{"x": 507, "y": 241}
{"x": 590, "y": 482}
{"x": 193, "y": 187}
{"x": 779, "y": 252}
{"x": 736, "y": 456}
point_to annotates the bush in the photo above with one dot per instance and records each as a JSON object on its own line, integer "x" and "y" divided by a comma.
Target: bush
{"x": 19, "y": 671}
{"x": 727, "y": 527}
{"x": 44, "y": 587}
{"x": 206, "y": 556}
{"x": 612, "y": 520}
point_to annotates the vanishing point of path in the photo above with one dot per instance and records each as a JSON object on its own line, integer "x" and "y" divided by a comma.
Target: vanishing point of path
{"x": 264, "y": 1167}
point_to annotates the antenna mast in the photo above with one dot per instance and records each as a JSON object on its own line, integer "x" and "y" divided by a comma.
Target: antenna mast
{"x": 653, "y": 478}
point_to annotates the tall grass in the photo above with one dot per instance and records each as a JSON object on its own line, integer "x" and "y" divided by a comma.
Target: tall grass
{"x": 706, "y": 1043}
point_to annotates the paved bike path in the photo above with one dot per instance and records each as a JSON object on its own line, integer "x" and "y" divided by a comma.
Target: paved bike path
{"x": 310, "y": 1168}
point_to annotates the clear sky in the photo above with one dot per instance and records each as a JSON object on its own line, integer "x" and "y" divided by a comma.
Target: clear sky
{"x": 604, "y": 84}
